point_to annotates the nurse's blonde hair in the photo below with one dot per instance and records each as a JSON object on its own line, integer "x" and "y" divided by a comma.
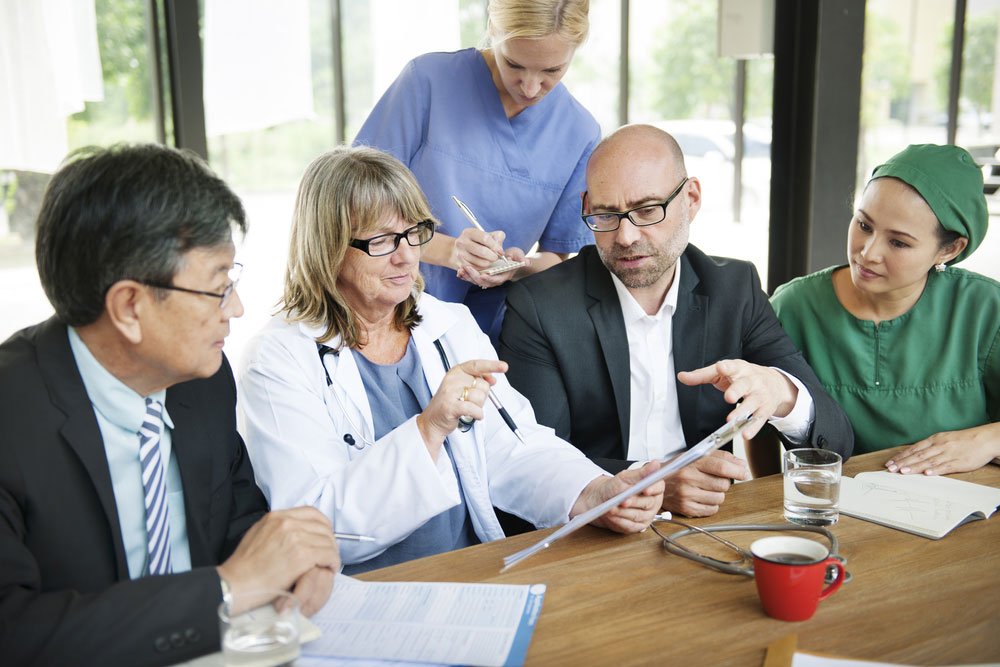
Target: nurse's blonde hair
{"x": 345, "y": 193}
{"x": 528, "y": 19}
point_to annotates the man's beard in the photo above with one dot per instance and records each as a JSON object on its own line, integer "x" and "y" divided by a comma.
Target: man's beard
{"x": 639, "y": 277}
{"x": 662, "y": 258}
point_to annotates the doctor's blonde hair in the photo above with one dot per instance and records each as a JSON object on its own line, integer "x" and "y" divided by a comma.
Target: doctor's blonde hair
{"x": 530, "y": 19}
{"x": 345, "y": 193}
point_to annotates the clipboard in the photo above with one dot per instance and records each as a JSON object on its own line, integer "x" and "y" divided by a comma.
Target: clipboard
{"x": 713, "y": 441}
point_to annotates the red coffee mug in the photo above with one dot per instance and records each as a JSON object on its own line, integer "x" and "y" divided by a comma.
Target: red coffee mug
{"x": 789, "y": 572}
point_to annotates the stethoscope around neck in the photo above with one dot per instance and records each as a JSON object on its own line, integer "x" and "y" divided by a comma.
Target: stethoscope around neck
{"x": 322, "y": 350}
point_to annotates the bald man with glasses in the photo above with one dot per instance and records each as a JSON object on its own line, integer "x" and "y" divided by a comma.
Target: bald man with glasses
{"x": 642, "y": 345}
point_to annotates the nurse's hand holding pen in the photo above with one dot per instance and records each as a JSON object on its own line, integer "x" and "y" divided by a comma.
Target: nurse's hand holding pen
{"x": 476, "y": 249}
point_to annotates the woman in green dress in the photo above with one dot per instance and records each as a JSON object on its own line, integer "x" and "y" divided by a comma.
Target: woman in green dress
{"x": 908, "y": 344}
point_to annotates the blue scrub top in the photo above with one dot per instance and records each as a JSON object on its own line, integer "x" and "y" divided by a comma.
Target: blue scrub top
{"x": 443, "y": 118}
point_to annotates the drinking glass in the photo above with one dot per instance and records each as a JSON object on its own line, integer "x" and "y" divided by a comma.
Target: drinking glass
{"x": 812, "y": 486}
{"x": 265, "y": 636}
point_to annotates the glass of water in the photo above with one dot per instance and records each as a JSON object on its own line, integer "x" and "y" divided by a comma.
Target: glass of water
{"x": 812, "y": 486}
{"x": 265, "y": 636}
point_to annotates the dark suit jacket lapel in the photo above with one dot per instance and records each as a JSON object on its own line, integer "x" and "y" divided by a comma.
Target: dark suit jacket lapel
{"x": 188, "y": 445}
{"x": 606, "y": 314}
{"x": 689, "y": 333}
{"x": 80, "y": 429}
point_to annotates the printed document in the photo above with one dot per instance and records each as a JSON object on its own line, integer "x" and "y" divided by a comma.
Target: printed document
{"x": 447, "y": 623}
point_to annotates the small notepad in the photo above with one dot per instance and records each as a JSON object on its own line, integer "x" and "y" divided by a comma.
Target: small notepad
{"x": 926, "y": 505}
{"x": 501, "y": 265}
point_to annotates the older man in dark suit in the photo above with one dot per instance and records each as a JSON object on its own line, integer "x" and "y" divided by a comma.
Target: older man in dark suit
{"x": 128, "y": 506}
{"x": 642, "y": 344}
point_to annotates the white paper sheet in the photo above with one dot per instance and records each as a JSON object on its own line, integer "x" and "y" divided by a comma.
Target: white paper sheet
{"x": 448, "y": 623}
{"x": 801, "y": 659}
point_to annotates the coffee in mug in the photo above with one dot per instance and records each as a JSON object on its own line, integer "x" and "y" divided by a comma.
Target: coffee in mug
{"x": 790, "y": 573}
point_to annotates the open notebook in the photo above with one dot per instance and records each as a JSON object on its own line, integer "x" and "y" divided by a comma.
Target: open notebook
{"x": 925, "y": 505}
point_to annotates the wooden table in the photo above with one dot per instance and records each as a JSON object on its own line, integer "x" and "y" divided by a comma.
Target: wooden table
{"x": 623, "y": 600}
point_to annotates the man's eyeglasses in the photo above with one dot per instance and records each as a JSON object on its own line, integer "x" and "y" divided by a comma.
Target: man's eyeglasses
{"x": 224, "y": 296}
{"x": 640, "y": 216}
{"x": 386, "y": 244}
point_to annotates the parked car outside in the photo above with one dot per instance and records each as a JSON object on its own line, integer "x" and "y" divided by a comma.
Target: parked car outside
{"x": 709, "y": 151}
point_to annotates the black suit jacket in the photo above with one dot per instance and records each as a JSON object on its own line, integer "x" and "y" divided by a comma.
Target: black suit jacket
{"x": 65, "y": 593}
{"x": 565, "y": 341}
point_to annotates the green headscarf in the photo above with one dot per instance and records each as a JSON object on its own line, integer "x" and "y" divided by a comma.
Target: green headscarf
{"x": 950, "y": 182}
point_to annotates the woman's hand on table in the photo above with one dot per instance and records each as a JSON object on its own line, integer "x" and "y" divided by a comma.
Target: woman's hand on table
{"x": 949, "y": 451}
{"x": 462, "y": 392}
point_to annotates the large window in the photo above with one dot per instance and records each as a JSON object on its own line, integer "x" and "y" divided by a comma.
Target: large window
{"x": 679, "y": 82}
{"x": 271, "y": 105}
{"x": 979, "y": 118}
{"x": 269, "y": 110}
{"x": 906, "y": 80}
{"x": 66, "y": 81}
{"x": 274, "y": 98}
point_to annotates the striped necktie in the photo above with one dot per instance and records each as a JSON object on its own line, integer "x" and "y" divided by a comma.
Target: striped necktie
{"x": 154, "y": 482}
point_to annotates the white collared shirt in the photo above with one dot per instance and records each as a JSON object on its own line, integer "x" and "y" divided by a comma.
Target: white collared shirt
{"x": 655, "y": 428}
{"x": 654, "y": 416}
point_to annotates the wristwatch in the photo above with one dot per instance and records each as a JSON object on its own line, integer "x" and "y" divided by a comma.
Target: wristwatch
{"x": 226, "y": 591}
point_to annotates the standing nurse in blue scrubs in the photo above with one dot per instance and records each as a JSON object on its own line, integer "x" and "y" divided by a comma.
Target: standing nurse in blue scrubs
{"x": 496, "y": 128}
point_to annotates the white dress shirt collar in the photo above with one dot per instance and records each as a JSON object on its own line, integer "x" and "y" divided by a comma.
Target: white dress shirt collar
{"x": 654, "y": 414}
{"x": 633, "y": 312}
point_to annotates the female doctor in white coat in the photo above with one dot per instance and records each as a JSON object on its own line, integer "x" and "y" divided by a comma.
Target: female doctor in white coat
{"x": 351, "y": 397}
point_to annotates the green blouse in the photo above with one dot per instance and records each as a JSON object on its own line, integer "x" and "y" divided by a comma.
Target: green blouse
{"x": 935, "y": 368}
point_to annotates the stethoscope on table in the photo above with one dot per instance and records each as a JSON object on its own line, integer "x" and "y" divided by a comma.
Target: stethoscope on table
{"x": 744, "y": 564}
{"x": 465, "y": 423}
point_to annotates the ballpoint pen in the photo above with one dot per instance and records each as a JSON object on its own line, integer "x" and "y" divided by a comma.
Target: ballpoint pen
{"x": 465, "y": 421}
{"x": 468, "y": 213}
{"x": 501, "y": 265}
{"x": 468, "y": 421}
{"x": 505, "y": 416}
{"x": 353, "y": 538}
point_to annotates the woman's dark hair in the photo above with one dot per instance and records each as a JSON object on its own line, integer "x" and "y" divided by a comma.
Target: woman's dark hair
{"x": 129, "y": 211}
{"x": 946, "y": 236}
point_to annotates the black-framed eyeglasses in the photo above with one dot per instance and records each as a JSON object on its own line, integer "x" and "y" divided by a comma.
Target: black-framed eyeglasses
{"x": 386, "y": 244}
{"x": 640, "y": 216}
{"x": 224, "y": 297}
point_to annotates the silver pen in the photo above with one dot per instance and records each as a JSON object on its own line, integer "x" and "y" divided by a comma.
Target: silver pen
{"x": 468, "y": 213}
{"x": 501, "y": 264}
{"x": 353, "y": 537}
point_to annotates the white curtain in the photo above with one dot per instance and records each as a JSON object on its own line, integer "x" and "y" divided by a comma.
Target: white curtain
{"x": 49, "y": 66}
{"x": 257, "y": 64}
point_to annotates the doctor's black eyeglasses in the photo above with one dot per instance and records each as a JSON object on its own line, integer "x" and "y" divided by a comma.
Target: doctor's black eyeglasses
{"x": 385, "y": 244}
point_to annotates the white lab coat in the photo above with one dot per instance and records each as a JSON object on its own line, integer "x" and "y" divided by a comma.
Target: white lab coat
{"x": 296, "y": 432}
